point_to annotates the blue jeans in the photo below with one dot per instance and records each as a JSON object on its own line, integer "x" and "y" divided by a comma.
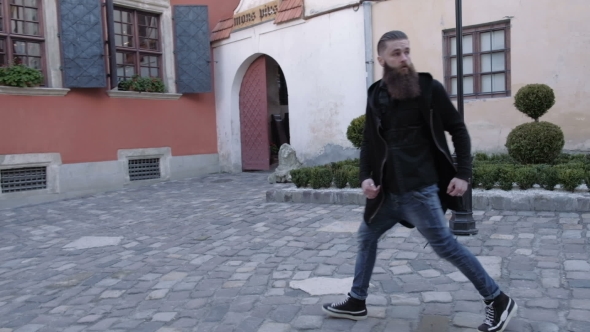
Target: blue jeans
{"x": 422, "y": 209}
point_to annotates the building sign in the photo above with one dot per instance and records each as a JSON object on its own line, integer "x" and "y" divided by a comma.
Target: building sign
{"x": 256, "y": 15}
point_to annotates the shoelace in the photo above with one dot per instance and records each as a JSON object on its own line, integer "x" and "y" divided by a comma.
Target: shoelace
{"x": 490, "y": 315}
{"x": 341, "y": 303}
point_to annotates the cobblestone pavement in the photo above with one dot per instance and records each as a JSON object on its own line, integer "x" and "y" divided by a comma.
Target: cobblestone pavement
{"x": 210, "y": 255}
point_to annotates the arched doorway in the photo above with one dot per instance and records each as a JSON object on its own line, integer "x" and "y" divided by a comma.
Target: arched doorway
{"x": 264, "y": 114}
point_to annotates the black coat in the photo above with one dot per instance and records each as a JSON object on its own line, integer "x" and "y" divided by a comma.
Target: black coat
{"x": 441, "y": 115}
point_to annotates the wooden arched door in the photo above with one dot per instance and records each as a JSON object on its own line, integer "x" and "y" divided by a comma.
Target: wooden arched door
{"x": 254, "y": 118}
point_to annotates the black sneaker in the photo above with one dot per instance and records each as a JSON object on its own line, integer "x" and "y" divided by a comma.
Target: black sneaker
{"x": 498, "y": 313}
{"x": 350, "y": 308}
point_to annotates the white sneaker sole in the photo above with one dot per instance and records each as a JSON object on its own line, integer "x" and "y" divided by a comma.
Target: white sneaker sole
{"x": 512, "y": 313}
{"x": 337, "y": 315}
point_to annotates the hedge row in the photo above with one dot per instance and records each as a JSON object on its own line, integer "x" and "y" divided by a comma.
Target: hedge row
{"x": 569, "y": 175}
{"x": 338, "y": 173}
{"x": 489, "y": 171}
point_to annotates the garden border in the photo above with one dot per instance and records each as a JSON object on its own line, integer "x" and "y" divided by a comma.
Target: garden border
{"x": 495, "y": 199}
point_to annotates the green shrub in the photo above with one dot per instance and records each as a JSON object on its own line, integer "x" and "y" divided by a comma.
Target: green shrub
{"x": 570, "y": 177}
{"x": 21, "y": 76}
{"x": 486, "y": 175}
{"x": 340, "y": 178}
{"x": 480, "y": 156}
{"x": 534, "y": 100}
{"x": 535, "y": 143}
{"x": 587, "y": 178}
{"x": 353, "y": 177}
{"x": 547, "y": 177}
{"x": 320, "y": 177}
{"x": 526, "y": 177}
{"x": 300, "y": 177}
{"x": 354, "y": 133}
{"x": 506, "y": 177}
{"x": 143, "y": 84}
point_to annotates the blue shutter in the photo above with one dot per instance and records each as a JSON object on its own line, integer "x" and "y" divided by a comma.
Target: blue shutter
{"x": 82, "y": 44}
{"x": 192, "y": 49}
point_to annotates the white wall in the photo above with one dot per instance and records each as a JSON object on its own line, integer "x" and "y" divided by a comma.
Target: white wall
{"x": 550, "y": 44}
{"x": 323, "y": 62}
{"x": 313, "y": 7}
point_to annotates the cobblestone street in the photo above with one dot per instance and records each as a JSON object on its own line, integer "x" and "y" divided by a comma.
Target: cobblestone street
{"x": 211, "y": 255}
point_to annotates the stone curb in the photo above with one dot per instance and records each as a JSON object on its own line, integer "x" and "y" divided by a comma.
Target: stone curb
{"x": 529, "y": 200}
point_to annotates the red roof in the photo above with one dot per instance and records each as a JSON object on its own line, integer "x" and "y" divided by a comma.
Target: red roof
{"x": 289, "y": 10}
{"x": 223, "y": 29}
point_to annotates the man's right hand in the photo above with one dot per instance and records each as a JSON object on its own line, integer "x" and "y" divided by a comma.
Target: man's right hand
{"x": 369, "y": 188}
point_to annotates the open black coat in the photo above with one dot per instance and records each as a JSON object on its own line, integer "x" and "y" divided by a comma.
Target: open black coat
{"x": 441, "y": 115}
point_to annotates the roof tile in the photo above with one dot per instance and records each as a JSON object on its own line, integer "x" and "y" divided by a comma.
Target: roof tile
{"x": 289, "y": 10}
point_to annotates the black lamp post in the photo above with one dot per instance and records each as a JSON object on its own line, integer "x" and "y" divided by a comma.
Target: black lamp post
{"x": 462, "y": 222}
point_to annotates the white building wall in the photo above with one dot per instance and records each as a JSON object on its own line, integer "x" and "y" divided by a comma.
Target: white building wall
{"x": 313, "y": 7}
{"x": 323, "y": 60}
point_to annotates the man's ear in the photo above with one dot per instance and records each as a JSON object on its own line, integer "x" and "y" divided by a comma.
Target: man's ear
{"x": 381, "y": 61}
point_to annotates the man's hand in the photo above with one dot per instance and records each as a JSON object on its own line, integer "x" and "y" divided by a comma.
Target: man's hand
{"x": 457, "y": 187}
{"x": 369, "y": 188}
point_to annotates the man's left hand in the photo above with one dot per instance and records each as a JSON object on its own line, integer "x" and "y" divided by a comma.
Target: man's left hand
{"x": 457, "y": 187}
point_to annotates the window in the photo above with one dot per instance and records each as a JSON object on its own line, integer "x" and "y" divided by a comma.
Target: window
{"x": 21, "y": 33}
{"x": 486, "y": 60}
{"x": 137, "y": 42}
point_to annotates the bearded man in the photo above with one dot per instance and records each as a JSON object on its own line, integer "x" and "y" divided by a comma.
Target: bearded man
{"x": 404, "y": 161}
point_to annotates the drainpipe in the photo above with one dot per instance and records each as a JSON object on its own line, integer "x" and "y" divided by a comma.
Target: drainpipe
{"x": 369, "y": 62}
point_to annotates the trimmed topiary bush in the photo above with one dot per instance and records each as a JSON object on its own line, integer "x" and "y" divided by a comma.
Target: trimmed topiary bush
{"x": 547, "y": 177}
{"x": 300, "y": 177}
{"x": 570, "y": 177}
{"x": 354, "y": 133}
{"x": 535, "y": 143}
{"x": 534, "y": 100}
{"x": 526, "y": 177}
{"x": 340, "y": 178}
{"x": 486, "y": 175}
{"x": 353, "y": 177}
{"x": 506, "y": 177}
{"x": 320, "y": 177}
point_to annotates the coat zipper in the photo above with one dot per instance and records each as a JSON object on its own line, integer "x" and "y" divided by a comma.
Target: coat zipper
{"x": 436, "y": 142}
{"x": 380, "y": 176}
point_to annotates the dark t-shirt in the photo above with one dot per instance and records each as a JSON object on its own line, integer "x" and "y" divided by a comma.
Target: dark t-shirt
{"x": 410, "y": 157}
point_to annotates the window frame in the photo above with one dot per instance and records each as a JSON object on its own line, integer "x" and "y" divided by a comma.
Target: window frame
{"x": 8, "y": 37}
{"x": 136, "y": 50}
{"x": 476, "y": 31}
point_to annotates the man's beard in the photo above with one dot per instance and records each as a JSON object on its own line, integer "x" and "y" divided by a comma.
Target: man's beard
{"x": 401, "y": 85}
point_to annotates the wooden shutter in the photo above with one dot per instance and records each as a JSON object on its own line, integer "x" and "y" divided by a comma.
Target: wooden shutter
{"x": 82, "y": 44}
{"x": 192, "y": 50}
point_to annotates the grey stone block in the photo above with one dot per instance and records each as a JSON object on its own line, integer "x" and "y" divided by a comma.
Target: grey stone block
{"x": 480, "y": 202}
{"x": 543, "y": 203}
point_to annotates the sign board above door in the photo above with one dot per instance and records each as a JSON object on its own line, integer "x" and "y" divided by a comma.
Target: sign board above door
{"x": 256, "y": 15}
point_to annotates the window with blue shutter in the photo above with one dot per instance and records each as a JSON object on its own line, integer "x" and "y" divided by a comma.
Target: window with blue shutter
{"x": 82, "y": 43}
{"x": 192, "y": 49}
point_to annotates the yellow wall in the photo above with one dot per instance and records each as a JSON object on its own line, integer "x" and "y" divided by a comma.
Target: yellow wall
{"x": 550, "y": 44}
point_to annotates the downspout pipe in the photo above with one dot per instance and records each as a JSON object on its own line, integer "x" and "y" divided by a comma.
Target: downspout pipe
{"x": 369, "y": 55}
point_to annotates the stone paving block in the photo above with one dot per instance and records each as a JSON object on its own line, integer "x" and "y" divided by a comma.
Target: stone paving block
{"x": 30, "y": 328}
{"x": 467, "y": 319}
{"x": 308, "y": 322}
{"x": 157, "y": 294}
{"x": 576, "y": 265}
{"x": 442, "y": 297}
{"x": 275, "y": 327}
{"x": 164, "y": 316}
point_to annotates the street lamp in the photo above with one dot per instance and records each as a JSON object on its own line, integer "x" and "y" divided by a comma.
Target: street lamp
{"x": 461, "y": 222}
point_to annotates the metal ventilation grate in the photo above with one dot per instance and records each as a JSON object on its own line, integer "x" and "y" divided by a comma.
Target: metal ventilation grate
{"x": 23, "y": 179}
{"x": 144, "y": 169}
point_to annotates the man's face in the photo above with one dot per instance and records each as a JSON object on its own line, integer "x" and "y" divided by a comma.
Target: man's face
{"x": 396, "y": 55}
